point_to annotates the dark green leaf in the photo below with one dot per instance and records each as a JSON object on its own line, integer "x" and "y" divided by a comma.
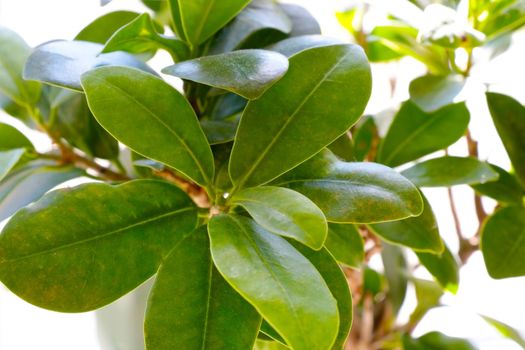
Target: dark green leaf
{"x": 432, "y": 92}
{"x": 303, "y": 23}
{"x": 343, "y": 147}
{"x": 443, "y": 267}
{"x": 219, "y": 131}
{"x": 506, "y": 330}
{"x": 137, "y": 109}
{"x": 414, "y": 133}
{"x": 372, "y": 281}
{"x": 277, "y": 280}
{"x": 192, "y": 307}
{"x": 11, "y": 138}
{"x": 101, "y": 29}
{"x": 364, "y": 138}
{"x": 354, "y": 192}
{"x": 436, "y": 341}
{"x": 285, "y": 212}
{"x": 502, "y": 240}
{"x": 79, "y": 249}
{"x": 396, "y": 273}
{"x": 449, "y": 171}
{"x": 509, "y": 118}
{"x": 61, "y": 63}
{"x": 227, "y": 106}
{"x": 248, "y": 73}
{"x": 291, "y": 46}
{"x": 346, "y": 244}
{"x": 270, "y": 139}
{"x": 506, "y": 189}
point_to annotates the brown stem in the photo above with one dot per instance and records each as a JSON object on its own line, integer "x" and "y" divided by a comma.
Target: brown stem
{"x": 197, "y": 193}
{"x": 455, "y": 216}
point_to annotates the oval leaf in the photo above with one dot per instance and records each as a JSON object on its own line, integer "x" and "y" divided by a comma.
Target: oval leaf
{"x": 206, "y": 312}
{"x": 322, "y": 104}
{"x": 303, "y": 23}
{"x": 291, "y": 46}
{"x": 506, "y": 189}
{"x": 248, "y": 73}
{"x": 101, "y": 29}
{"x": 443, "y": 267}
{"x": 138, "y": 110}
{"x": 346, "y": 244}
{"x": 79, "y": 249}
{"x": 277, "y": 280}
{"x": 432, "y": 92}
{"x": 286, "y": 213}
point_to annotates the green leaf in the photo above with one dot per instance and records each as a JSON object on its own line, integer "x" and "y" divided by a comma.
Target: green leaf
{"x": 303, "y": 23}
{"x": 343, "y": 147}
{"x": 277, "y": 280}
{"x": 432, "y": 92}
{"x": 428, "y": 295}
{"x": 192, "y": 307}
{"x": 396, "y": 273}
{"x": 449, "y": 171}
{"x": 372, "y": 281}
{"x": 61, "y": 63}
{"x": 137, "y": 109}
{"x": 79, "y": 249}
{"x": 365, "y": 137}
{"x": 201, "y": 19}
{"x": 8, "y": 159}
{"x": 270, "y": 139}
{"x": 140, "y": 35}
{"x": 15, "y": 110}
{"x": 294, "y": 45}
{"x": 248, "y": 73}
{"x": 219, "y": 131}
{"x": 506, "y": 189}
{"x": 443, "y": 267}
{"x": 414, "y": 133}
{"x": 354, "y": 192}
{"x": 101, "y": 29}
{"x": 11, "y": 138}
{"x": 502, "y": 239}
{"x": 13, "y": 54}
{"x": 29, "y": 183}
{"x": 346, "y": 244}
{"x": 420, "y": 233}
{"x": 285, "y": 212}
{"x": 506, "y": 330}
{"x": 436, "y": 341}
{"x": 269, "y": 345}
{"x": 509, "y": 118}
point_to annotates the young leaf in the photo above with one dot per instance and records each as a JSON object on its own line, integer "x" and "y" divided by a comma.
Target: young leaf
{"x": 11, "y": 138}
{"x": 443, "y": 267}
{"x": 285, "y": 212}
{"x": 436, "y": 341}
{"x": 13, "y": 54}
{"x": 61, "y": 63}
{"x": 346, "y": 244}
{"x": 201, "y": 19}
{"x": 192, "y": 307}
{"x": 506, "y": 189}
{"x": 277, "y": 280}
{"x": 322, "y": 104}
{"x": 248, "y": 73}
{"x": 509, "y": 118}
{"x": 79, "y": 249}
{"x": 502, "y": 240}
{"x": 420, "y": 233}
{"x": 138, "y": 110}
{"x": 8, "y": 159}
{"x": 432, "y": 92}
{"x": 303, "y": 23}
{"x": 101, "y": 29}
{"x": 354, "y": 192}
{"x": 291, "y": 46}
{"x": 449, "y": 171}
{"x": 506, "y": 330}
{"x": 414, "y": 133}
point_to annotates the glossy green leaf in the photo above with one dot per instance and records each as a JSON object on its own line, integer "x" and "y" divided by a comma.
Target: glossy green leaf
{"x": 346, "y": 244}
{"x": 11, "y": 138}
{"x": 396, "y": 273}
{"x": 506, "y": 189}
{"x": 432, "y": 92}
{"x": 365, "y": 137}
{"x": 219, "y": 131}
{"x": 443, "y": 267}
{"x": 303, "y": 23}
{"x": 61, "y": 63}
{"x": 291, "y": 46}
{"x": 137, "y": 109}
{"x": 202, "y": 18}
{"x": 414, "y": 133}
{"x": 449, "y": 171}
{"x": 79, "y": 249}
{"x": 506, "y": 330}
{"x": 436, "y": 341}
{"x": 8, "y": 159}
{"x": 140, "y": 35}
{"x": 420, "y": 233}
{"x": 102, "y": 28}
{"x": 248, "y": 73}
{"x": 29, "y": 183}
{"x": 285, "y": 212}
{"x": 192, "y": 307}
{"x": 227, "y": 107}
{"x": 13, "y": 54}
{"x": 270, "y": 139}
{"x": 354, "y": 192}
{"x": 277, "y": 280}
{"x": 509, "y": 118}
{"x": 502, "y": 240}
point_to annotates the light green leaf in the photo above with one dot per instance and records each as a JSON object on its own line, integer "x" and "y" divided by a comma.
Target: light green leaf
{"x": 248, "y": 73}
{"x": 268, "y": 345}
{"x": 432, "y": 92}
{"x": 277, "y": 280}
{"x": 201, "y": 19}
{"x": 13, "y": 54}
{"x": 396, "y": 273}
{"x": 443, "y": 267}
{"x": 303, "y": 23}
{"x": 192, "y": 307}
{"x": 137, "y": 109}
{"x": 420, "y": 233}
{"x": 8, "y": 159}
{"x": 502, "y": 242}
{"x": 436, "y": 341}
{"x": 509, "y": 118}
{"x": 102, "y": 28}
{"x": 449, "y": 171}
{"x": 414, "y": 133}
{"x": 428, "y": 295}
{"x": 285, "y": 212}
{"x": 506, "y": 330}
{"x": 79, "y": 249}
{"x": 61, "y": 63}
{"x": 354, "y": 192}
{"x": 11, "y": 138}
{"x": 346, "y": 244}
{"x": 270, "y": 139}
{"x": 506, "y": 189}
{"x": 294, "y": 45}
